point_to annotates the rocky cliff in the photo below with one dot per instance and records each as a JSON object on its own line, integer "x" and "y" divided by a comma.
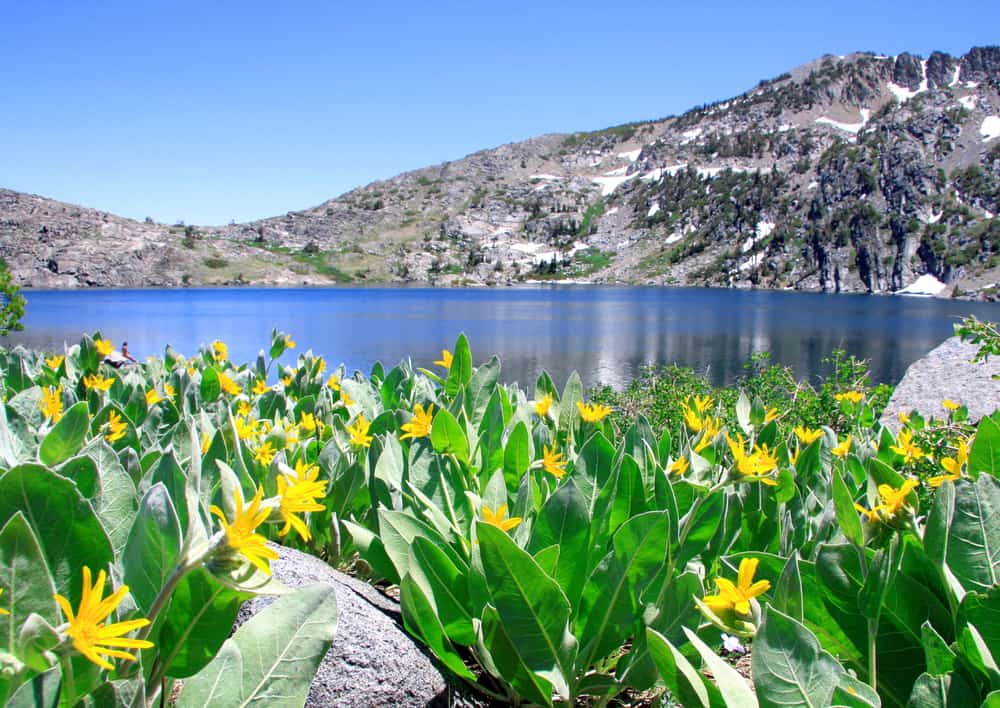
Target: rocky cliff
{"x": 859, "y": 173}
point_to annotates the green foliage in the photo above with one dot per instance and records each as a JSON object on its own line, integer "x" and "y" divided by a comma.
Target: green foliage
{"x": 11, "y": 302}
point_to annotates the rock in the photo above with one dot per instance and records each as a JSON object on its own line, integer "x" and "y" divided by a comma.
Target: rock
{"x": 372, "y": 662}
{"x": 946, "y": 372}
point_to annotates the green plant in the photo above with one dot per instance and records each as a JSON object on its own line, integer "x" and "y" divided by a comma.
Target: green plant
{"x": 11, "y": 302}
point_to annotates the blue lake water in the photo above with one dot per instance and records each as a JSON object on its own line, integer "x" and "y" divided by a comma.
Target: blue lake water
{"x": 605, "y": 333}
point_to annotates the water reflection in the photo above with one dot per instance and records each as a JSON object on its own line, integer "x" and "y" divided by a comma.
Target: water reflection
{"x": 607, "y": 334}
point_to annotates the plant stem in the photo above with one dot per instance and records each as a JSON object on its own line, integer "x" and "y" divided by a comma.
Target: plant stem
{"x": 69, "y": 683}
{"x": 872, "y": 641}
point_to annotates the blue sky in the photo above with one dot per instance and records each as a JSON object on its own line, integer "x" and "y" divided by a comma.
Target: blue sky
{"x": 219, "y": 110}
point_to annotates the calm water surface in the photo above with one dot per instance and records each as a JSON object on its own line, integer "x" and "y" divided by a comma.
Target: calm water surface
{"x": 605, "y": 333}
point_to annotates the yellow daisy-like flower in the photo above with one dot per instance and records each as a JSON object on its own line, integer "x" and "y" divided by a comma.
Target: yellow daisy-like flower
{"x": 709, "y": 430}
{"x": 308, "y": 423}
{"x": 169, "y": 390}
{"x": 240, "y": 535}
{"x": 95, "y": 381}
{"x": 91, "y": 635}
{"x": 265, "y": 453}
{"x": 905, "y": 446}
{"x": 260, "y": 388}
{"x": 228, "y": 385}
{"x": 153, "y": 397}
{"x": 808, "y": 436}
{"x": 291, "y": 436}
{"x": 770, "y": 415}
{"x": 553, "y": 462}
{"x": 245, "y": 429}
{"x": 756, "y": 466}
{"x": 289, "y": 342}
{"x": 103, "y": 346}
{"x": 51, "y": 404}
{"x": 116, "y": 427}
{"x": 359, "y": 432}
{"x": 952, "y": 465}
{"x": 321, "y": 367}
{"x": 738, "y": 596}
{"x": 904, "y": 418}
{"x": 191, "y": 370}
{"x": 219, "y": 350}
{"x": 299, "y": 493}
{"x": 843, "y": 448}
{"x": 286, "y": 380}
{"x": 692, "y": 420}
{"x": 893, "y": 501}
{"x": 54, "y": 361}
{"x": 346, "y": 399}
{"x": 951, "y": 405}
{"x": 243, "y": 408}
{"x": 542, "y": 405}
{"x": 852, "y": 396}
{"x": 333, "y": 383}
{"x": 445, "y": 360}
{"x": 794, "y": 456}
{"x": 679, "y": 466}
{"x": 420, "y": 426}
{"x": 593, "y": 412}
{"x": 699, "y": 403}
{"x": 206, "y": 442}
{"x": 499, "y": 518}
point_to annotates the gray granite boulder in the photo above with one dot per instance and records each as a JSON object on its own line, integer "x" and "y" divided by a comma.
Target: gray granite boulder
{"x": 372, "y": 662}
{"x": 946, "y": 372}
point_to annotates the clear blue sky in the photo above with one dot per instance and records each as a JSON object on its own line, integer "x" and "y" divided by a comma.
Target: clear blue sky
{"x": 216, "y": 110}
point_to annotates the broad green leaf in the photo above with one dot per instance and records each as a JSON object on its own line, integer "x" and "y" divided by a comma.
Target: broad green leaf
{"x": 397, "y": 529}
{"x": 971, "y": 546}
{"x": 948, "y": 691}
{"x": 198, "y": 620}
{"x": 42, "y": 691}
{"x": 569, "y": 414}
{"x": 852, "y": 693}
{"x": 372, "y": 550}
{"x": 532, "y": 608}
{"x": 65, "y": 525}
{"x": 491, "y": 437}
{"x": 683, "y": 680}
{"x": 940, "y": 657}
{"x": 448, "y": 437}
{"x": 210, "y": 386}
{"x": 734, "y": 688}
{"x": 789, "y": 666}
{"x": 516, "y": 455}
{"x": 701, "y": 528}
{"x": 497, "y": 648}
{"x": 847, "y": 515}
{"x": 481, "y": 387}
{"x": 279, "y": 651}
{"x": 66, "y": 437}
{"x": 563, "y": 522}
{"x": 422, "y": 620}
{"x": 788, "y": 595}
{"x": 460, "y": 372}
{"x": 983, "y": 610}
{"x": 985, "y": 453}
{"x": 27, "y": 588}
{"x": 445, "y": 586}
{"x": 152, "y": 549}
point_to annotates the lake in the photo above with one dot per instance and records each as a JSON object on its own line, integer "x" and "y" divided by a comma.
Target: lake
{"x": 605, "y": 333}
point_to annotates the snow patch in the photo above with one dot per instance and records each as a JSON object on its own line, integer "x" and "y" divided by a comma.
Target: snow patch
{"x": 674, "y": 237}
{"x": 529, "y": 248}
{"x": 901, "y": 93}
{"x": 954, "y": 79}
{"x": 712, "y": 172}
{"x": 971, "y": 84}
{"x": 785, "y": 127}
{"x": 926, "y": 284}
{"x": 690, "y": 135}
{"x": 617, "y": 173}
{"x": 671, "y": 170}
{"x": 543, "y": 176}
{"x": 631, "y": 155}
{"x": 812, "y": 185}
{"x": 849, "y": 127}
{"x": 610, "y": 184}
{"x": 652, "y": 210}
{"x": 990, "y": 128}
{"x": 968, "y": 102}
{"x": 611, "y": 212}
{"x": 752, "y": 262}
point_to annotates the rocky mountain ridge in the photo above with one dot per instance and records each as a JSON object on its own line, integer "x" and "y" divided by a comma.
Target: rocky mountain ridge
{"x": 862, "y": 173}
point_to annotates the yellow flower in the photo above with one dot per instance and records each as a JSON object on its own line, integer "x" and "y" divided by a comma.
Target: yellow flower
{"x": 321, "y": 367}
{"x": 893, "y": 501}
{"x": 287, "y": 380}
{"x": 228, "y": 385}
{"x": 333, "y": 383}
{"x": 852, "y": 396}
{"x": 770, "y": 415}
{"x": 553, "y": 462}
{"x": 952, "y": 465}
{"x": 701, "y": 403}
{"x": 289, "y": 342}
{"x": 420, "y": 426}
{"x": 206, "y": 442}
{"x": 191, "y": 370}
{"x": 265, "y": 453}
{"x": 359, "y": 432}
{"x": 710, "y": 428}
{"x": 679, "y": 466}
{"x": 103, "y": 346}
{"x": 593, "y": 412}
{"x": 153, "y": 397}
{"x": 240, "y": 535}
{"x": 116, "y": 427}
{"x": 246, "y": 430}
{"x": 692, "y": 419}
{"x": 308, "y": 422}
{"x": 807, "y": 435}
{"x": 260, "y": 388}
{"x": 220, "y": 350}
{"x": 98, "y": 382}
{"x": 54, "y": 362}
{"x": 904, "y": 418}
{"x": 445, "y": 360}
{"x": 542, "y": 406}
{"x": 51, "y": 404}
{"x": 298, "y": 494}
{"x": 243, "y": 408}
{"x": 737, "y": 597}
{"x": 843, "y": 448}
{"x": 169, "y": 390}
{"x": 906, "y": 447}
{"x": 92, "y": 636}
{"x": 794, "y": 457}
{"x": 291, "y": 436}
{"x": 2, "y": 610}
{"x": 756, "y": 466}
{"x": 346, "y": 399}
{"x": 498, "y": 519}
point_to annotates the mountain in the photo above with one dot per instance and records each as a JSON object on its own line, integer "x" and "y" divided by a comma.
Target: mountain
{"x": 862, "y": 173}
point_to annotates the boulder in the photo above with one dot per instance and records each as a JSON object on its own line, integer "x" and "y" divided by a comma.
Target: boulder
{"x": 946, "y": 372}
{"x": 372, "y": 662}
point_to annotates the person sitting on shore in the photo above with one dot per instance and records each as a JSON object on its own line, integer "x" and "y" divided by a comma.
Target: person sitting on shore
{"x": 118, "y": 360}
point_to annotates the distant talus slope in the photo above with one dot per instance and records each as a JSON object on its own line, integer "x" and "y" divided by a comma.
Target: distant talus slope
{"x": 862, "y": 173}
